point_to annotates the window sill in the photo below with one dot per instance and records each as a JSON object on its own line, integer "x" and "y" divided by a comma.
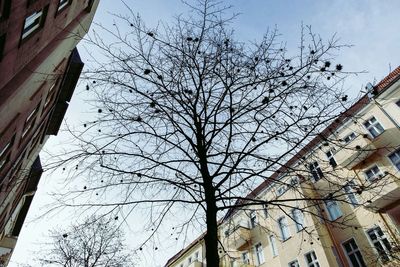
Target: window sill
{"x": 284, "y": 240}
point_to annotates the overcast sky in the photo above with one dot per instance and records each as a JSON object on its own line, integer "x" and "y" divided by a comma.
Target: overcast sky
{"x": 371, "y": 26}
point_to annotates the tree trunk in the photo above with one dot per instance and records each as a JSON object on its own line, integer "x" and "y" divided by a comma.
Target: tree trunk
{"x": 211, "y": 237}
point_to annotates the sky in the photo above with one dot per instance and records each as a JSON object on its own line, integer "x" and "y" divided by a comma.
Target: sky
{"x": 369, "y": 26}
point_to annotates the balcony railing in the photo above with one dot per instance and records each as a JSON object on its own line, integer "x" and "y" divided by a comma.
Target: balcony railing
{"x": 383, "y": 192}
{"x": 238, "y": 237}
{"x": 363, "y": 146}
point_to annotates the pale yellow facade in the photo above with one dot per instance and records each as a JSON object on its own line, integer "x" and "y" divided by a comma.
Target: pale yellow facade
{"x": 337, "y": 205}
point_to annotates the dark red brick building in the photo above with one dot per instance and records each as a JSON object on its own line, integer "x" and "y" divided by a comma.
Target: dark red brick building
{"x": 39, "y": 69}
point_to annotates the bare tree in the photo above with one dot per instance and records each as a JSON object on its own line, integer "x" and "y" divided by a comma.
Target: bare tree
{"x": 190, "y": 117}
{"x": 95, "y": 243}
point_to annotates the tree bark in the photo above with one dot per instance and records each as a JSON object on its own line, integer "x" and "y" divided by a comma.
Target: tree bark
{"x": 211, "y": 237}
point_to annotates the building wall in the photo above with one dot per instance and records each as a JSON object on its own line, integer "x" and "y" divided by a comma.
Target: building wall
{"x": 39, "y": 72}
{"x": 361, "y": 203}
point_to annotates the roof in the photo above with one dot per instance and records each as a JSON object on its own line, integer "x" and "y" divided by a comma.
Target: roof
{"x": 385, "y": 83}
{"x": 362, "y": 102}
{"x": 184, "y": 250}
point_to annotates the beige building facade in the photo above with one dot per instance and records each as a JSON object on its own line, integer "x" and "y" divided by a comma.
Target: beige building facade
{"x": 335, "y": 203}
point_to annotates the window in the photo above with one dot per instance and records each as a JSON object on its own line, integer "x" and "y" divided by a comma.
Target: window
{"x": 311, "y": 259}
{"x": 373, "y": 127}
{"x": 350, "y": 137}
{"x": 281, "y": 190}
{"x": 395, "y": 158}
{"x": 274, "y": 249}
{"x": 349, "y": 190}
{"x": 2, "y": 45}
{"x": 62, "y": 4}
{"x": 331, "y": 159}
{"x": 316, "y": 171}
{"x": 265, "y": 208}
{"x": 253, "y": 219}
{"x": 190, "y": 260}
{"x": 259, "y": 254}
{"x": 380, "y": 242}
{"x": 245, "y": 258}
{"x": 373, "y": 173}
{"x": 294, "y": 263}
{"x": 5, "y": 153}
{"x": 34, "y": 22}
{"x": 294, "y": 181}
{"x": 30, "y": 121}
{"x": 284, "y": 228}
{"x": 398, "y": 103}
{"x": 5, "y": 9}
{"x": 50, "y": 94}
{"x": 353, "y": 253}
{"x": 298, "y": 218}
{"x": 333, "y": 209}
{"x": 196, "y": 256}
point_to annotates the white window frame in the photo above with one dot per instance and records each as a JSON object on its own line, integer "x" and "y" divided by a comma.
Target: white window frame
{"x": 298, "y": 220}
{"x": 259, "y": 253}
{"x": 62, "y": 4}
{"x": 333, "y": 209}
{"x": 253, "y": 219}
{"x": 281, "y": 190}
{"x": 380, "y": 240}
{"x": 353, "y": 251}
{"x": 376, "y": 171}
{"x": 351, "y": 136}
{"x": 351, "y": 196}
{"x": 32, "y": 23}
{"x": 315, "y": 169}
{"x": 274, "y": 248}
{"x": 331, "y": 158}
{"x": 294, "y": 263}
{"x": 396, "y": 161}
{"x": 284, "y": 228}
{"x": 374, "y": 127}
{"x": 314, "y": 259}
{"x": 245, "y": 257}
{"x": 265, "y": 209}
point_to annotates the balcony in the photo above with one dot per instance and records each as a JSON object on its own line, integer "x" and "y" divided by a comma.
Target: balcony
{"x": 238, "y": 238}
{"x": 384, "y": 192}
{"x": 363, "y": 146}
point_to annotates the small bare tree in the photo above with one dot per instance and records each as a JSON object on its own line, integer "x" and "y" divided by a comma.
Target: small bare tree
{"x": 191, "y": 118}
{"x": 95, "y": 243}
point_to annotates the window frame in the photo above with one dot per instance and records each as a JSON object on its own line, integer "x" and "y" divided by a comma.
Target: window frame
{"x": 253, "y": 219}
{"x": 351, "y": 137}
{"x": 354, "y": 251}
{"x": 397, "y": 154}
{"x": 373, "y": 126}
{"x": 245, "y": 257}
{"x": 259, "y": 251}
{"x": 5, "y": 153}
{"x": 314, "y": 262}
{"x": 295, "y": 262}
{"x": 386, "y": 256}
{"x": 348, "y": 188}
{"x": 63, "y": 4}
{"x": 274, "y": 248}
{"x": 36, "y": 25}
{"x": 316, "y": 171}
{"x": 299, "y": 225}
{"x": 284, "y": 226}
{"x": 376, "y": 175}
{"x": 331, "y": 158}
{"x": 30, "y": 121}
{"x": 333, "y": 203}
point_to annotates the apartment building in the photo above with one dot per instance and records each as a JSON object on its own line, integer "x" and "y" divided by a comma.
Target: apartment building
{"x": 39, "y": 69}
{"x": 335, "y": 203}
